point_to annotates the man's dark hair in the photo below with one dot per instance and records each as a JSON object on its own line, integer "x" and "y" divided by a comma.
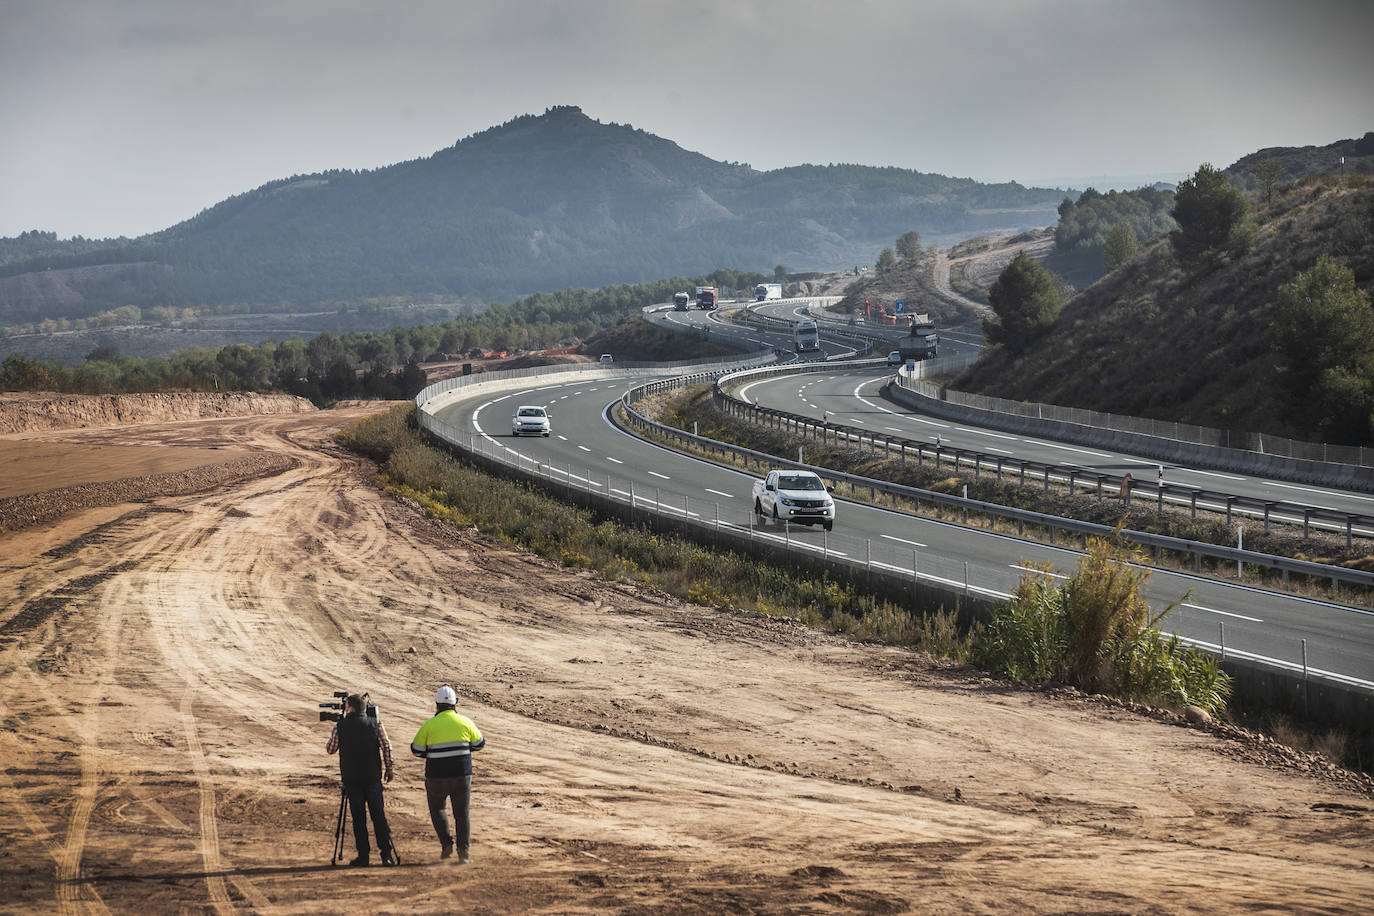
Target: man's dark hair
{"x": 354, "y": 702}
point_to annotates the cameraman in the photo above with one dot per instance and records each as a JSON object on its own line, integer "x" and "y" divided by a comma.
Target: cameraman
{"x": 363, "y": 748}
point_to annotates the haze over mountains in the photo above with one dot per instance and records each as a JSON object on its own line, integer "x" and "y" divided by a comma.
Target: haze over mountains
{"x": 539, "y": 203}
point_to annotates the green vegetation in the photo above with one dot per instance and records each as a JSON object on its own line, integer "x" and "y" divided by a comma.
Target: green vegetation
{"x": 1208, "y": 210}
{"x": 908, "y": 244}
{"x": 384, "y": 364}
{"x": 886, "y": 260}
{"x": 1323, "y": 331}
{"x": 1026, "y": 299}
{"x": 1119, "y": 247}
{"x": 1202, "y": 343}
{"x": 1095, "y": 630}
{"x": 1085, "y": 225}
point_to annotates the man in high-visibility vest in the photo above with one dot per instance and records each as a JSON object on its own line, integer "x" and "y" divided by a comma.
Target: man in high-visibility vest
{"x": 446, "y": 742}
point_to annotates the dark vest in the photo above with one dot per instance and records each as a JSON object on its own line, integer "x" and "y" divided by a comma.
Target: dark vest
{"x": 360, "y": 751}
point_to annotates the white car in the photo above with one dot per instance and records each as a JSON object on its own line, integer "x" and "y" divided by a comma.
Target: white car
{"x": 607, "y": 358}
{"x": 895, "y": 358}
{"x": 529, "y": 421}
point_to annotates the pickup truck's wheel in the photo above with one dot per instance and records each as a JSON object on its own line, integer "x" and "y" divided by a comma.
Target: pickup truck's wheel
{"x": 758, "y": 506}
{"x": 829, "y": 526}
{"x": 776, "y": 520}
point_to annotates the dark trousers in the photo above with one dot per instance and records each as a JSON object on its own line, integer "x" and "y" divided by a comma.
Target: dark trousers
{"x": 442, "y": 790}
{"x": 361, "y": 799}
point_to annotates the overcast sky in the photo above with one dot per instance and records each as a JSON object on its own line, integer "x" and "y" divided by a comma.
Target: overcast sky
{"x": 121, "y": 117}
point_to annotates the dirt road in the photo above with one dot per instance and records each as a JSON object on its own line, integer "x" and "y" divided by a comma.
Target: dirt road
{"x": 160, "y": 663}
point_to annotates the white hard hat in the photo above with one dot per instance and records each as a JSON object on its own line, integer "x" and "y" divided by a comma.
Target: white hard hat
{"x": 446, "y": 694}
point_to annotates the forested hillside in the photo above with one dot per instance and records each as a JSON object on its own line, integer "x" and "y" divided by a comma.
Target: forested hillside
{"x": 1253, "y": 315}
{"x": 540, "y": 203}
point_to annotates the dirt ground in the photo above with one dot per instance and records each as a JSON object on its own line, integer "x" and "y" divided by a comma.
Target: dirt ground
{"x": 161, "y": 661}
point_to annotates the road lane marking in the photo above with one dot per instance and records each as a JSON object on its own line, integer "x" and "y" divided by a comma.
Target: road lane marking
{"x": 583, "y": 447}
{"x": 1289, "y": 486}
{"x": 1081, "y": 451}
{"x": 1212, "y": 610}
{"x": 657, "y": 474}
{"x": 1039, "y": 572}
{"x": 1211, "y": 474}
{"x": 891, "y": 537}
{"x": 616, "y": 460}
{"x": 721, "y": 493}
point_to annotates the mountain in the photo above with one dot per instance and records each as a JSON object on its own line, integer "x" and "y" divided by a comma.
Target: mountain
{"x": 539, "y": 203}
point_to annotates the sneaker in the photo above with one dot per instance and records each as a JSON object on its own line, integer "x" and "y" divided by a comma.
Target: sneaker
{"x": 447, "y": 851}
{"x": 360, "y": 860}
{"x": 464, "y": 857}
{"x": 390, "y": 858}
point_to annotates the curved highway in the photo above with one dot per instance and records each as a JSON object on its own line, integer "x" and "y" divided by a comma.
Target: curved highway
{"x": 588, "y": 450}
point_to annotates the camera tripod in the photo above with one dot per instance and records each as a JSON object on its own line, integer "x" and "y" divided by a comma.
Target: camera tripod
{"x": 341, "y": 831}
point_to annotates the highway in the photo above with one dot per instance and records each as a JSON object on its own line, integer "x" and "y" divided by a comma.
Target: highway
{"x": 590, "y": 451}
{"x": 854, "y": 399}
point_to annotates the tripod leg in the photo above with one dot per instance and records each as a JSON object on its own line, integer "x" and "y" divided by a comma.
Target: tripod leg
{"x": 339, "y": 825}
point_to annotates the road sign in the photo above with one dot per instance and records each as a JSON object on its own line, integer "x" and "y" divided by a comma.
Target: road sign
{"x": 899, "y": 307}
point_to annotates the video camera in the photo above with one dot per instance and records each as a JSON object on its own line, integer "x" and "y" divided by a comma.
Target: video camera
{"x": 369, "y": 708}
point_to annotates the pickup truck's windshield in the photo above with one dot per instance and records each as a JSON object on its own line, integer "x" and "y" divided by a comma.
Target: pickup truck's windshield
{"x": 799, "y": 483}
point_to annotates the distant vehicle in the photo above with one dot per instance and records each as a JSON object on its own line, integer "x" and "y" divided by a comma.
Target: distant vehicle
{"x": 708, "y": 297}
{"x": 795, "y": 496}
{"x": 806, "y": 336}
{"x": 529, "y": 421}
{"x": 680, "y": 301}
{"x": 922, "y": 342}
{"x": 895, "y": 358}
{"x": 606, "y": 358}
{"x": 766, "y": 291}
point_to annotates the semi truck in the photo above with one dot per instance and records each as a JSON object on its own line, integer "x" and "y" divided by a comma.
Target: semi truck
{"x": 806, "y": 336}
{"x": 800, "y": 497}
{"x": 708, "y": 297}
{"x": 922, "y": 342}
{"x": 765, "y": 291}
{"x": 680, "y": 301}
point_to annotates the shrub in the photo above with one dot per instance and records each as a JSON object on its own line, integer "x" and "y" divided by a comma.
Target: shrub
{"x": 1095, "y": 631}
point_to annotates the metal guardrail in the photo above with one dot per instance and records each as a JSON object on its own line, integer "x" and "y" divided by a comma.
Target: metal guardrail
{"x": 1161, "y": 491}
{"x": 927, "y": 571}
{"x": 825, "y": 432}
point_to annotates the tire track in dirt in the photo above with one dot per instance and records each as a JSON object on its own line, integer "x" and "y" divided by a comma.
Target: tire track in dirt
{"x": 209, "y": 830}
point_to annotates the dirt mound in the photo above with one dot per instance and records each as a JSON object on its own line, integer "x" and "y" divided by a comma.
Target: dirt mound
{"x": 28, "y": 411}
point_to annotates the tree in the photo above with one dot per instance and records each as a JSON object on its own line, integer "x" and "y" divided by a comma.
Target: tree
{"x": 886, "y": 260}
{"x": 1026, "y": 299}
{"x": 909, "y": 244}
{"x": 780, "y": 273}
{"x": 1323, "y": 332}
{"x": 1207, "y": 209}
{"x": 1267, "y": 173}
{"x": 1119, "y": 247}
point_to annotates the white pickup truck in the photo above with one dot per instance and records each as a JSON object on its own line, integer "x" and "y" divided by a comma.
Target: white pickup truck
{"x": 794, "y": 496}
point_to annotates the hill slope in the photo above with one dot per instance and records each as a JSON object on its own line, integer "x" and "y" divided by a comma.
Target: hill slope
{"x": 1153, "y": 340}
{"x": 540, "y": 203}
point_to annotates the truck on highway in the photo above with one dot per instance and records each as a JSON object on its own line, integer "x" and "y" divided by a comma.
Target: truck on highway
{"x": 765, "y": 291}
{"x": 708, "y": 297}
{"x": 680, "y": 301}
{"x": 922, "y": 341}
{"x": 800, "y": 497}
{"x": 806, "y": 336}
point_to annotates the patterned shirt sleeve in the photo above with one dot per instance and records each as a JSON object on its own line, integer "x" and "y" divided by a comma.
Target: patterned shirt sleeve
{"x": 333, "y": 746}
{"x": 386, "y": 745}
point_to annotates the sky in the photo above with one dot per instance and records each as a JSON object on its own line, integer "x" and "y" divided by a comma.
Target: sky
{"x": 122, "y": 117}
